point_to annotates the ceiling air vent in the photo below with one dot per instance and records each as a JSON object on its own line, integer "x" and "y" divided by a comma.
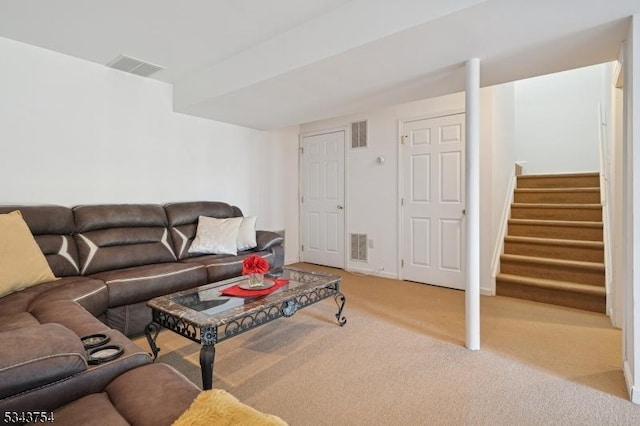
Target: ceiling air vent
{"x": 359, "y": 134}
{"x": 359, "y": 247}
{"x": 134, "y": 66}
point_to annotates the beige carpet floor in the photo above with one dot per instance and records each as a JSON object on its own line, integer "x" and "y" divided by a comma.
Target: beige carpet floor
{"x": 401, "y": 360}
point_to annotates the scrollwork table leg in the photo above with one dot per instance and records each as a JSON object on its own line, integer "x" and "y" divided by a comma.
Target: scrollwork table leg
{"x": 208, "y": 339}
{"x": 151, "y": 332}
{"x": 340, "y": 301}
{"x": 207, "y": 354}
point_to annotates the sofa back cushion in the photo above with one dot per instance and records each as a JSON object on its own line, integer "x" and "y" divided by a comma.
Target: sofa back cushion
{"x": 183, "y": 221}
{"x": 115, "y": 236}
{"x": 52, "y": 227}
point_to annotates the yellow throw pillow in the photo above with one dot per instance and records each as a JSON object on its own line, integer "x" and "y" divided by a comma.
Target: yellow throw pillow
{"x": 22, "y": 263}
{"x": 217, "y": 407}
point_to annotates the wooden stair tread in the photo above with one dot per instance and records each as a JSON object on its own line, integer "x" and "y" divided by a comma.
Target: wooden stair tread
{"x": 558, "y": 175}
{"x": 567, "y": 189}
{"x": 594, "y": 266}
{"x": 555, "y": 241}
{"x": 575, "y": 180}
{"x": 577, "y": 223}
{"x": 554, "y": 252}
{"x": 553, "y": 284}
{"x": 556, "y": 206}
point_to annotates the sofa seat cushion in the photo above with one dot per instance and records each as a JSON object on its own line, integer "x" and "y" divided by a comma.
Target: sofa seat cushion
{"x": 91, "y": 409}
{"x": 137, "y": 397}
{"x": 89, "y": 292}
{"x": 70, "y": 314}
{"x": 19, "y": 301}
{"x": 47, "y": 353}
{"x": 210, "y": 259}
{"x": 19, "y": 320}
{"x": 140, "y": 283}
{"x": 131, "y": 395}
{"x": 221, "y": 267}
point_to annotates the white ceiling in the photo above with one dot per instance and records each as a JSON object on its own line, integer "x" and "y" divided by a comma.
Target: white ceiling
{"x": 273, "y": 63}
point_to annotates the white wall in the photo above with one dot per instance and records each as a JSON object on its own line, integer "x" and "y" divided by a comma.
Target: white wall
{"x": 616, "y": 207}
{"x": 372, "y": 190}
{"x": 375, "y": 211}
{"x": 631, "y": 212}
{"x": 556, "y": 120}
{"x": 279, "y": 182}
{"x": 74, "y": 132}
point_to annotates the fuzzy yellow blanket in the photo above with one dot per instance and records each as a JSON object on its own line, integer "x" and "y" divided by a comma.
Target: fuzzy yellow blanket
{"x": 217, "y": 407}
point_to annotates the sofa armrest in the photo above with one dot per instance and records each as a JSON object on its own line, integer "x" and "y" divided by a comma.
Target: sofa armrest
{"x": 38, "y": 355}
{"x": 267, "y": 239}
{"x": 90, "y": 381}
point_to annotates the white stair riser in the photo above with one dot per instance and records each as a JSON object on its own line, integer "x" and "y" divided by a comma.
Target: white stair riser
{"x": 584, "y": 254}
{"x": 555, "y": 213}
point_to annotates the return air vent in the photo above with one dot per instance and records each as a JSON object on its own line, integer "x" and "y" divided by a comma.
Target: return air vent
{"x": 359, "y": 247}
{"x": 359, "y": 134}
{"x": 134, "y": 66}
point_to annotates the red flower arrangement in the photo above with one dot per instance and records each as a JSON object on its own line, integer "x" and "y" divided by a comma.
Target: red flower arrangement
{"x": 254, "y": 264}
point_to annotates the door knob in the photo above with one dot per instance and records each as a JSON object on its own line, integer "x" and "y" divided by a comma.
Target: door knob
{"x": 339, "y": 207}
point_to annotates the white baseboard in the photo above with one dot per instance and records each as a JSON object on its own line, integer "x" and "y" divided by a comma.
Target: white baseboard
{"x": 487, "y": 291}
{"x": 628, "y": 378}
{"x": 365, "y": 271}
{"x": 291, "y": 260}
{"x": 383, "y": 274}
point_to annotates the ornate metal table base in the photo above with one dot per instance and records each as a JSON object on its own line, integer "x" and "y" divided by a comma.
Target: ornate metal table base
{"x": 151, "y": 332}
{"x": 208, "y": 336}
{"x": 340, "y": 301}
{"x": 207, "y": 354}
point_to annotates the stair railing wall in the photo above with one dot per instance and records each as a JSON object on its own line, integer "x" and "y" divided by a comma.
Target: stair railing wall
{"x": 605, "y": 161}
{"x": 498, "y": 249}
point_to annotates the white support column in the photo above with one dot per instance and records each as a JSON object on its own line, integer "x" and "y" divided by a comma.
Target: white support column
{"x": 631, "y": 226}
{"x": 472, "y": 166}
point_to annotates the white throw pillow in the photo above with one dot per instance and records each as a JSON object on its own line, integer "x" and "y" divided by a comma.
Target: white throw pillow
{"x": 216, "y": 236}
{"x": 247, "y": 234}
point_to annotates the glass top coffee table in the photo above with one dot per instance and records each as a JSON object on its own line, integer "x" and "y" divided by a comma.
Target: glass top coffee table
{"x": 206, "y": 316}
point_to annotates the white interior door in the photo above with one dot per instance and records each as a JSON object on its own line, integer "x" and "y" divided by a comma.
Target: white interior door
{"x": 433, "y": 177}
{"x": 322, "y": 202}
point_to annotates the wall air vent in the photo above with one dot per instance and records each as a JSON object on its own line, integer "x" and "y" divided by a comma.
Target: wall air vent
{"x": 359, "y": 134}
{"x": 359, "y": 247}
{"x": 134, "y": 66}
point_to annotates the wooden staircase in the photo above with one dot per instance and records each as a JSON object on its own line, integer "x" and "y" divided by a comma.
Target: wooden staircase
{"x": 554, "y": 250}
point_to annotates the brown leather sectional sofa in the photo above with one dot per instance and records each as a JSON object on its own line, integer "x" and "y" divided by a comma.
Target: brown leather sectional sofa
{"x": 110, "y": 260}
